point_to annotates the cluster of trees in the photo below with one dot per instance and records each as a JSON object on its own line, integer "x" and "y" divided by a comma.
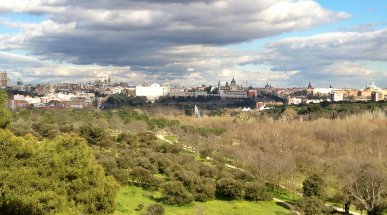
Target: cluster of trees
{"x": 5, "y": 114}
{"x": 123, "y": 100}
{"x": 59, "y": 176}
{"x": 142, "y": 160}
{"x": 343, "y": 151}
{"x": 329, "y": 109}
{"x": 348, "y": 154}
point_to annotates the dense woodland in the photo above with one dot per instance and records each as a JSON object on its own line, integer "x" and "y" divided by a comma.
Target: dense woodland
{"x": 74, "y": 161}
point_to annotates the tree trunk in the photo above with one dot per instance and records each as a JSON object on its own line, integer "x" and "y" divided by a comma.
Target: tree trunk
{"x": 347, "y": 205}
{"x": 375, "y": 211}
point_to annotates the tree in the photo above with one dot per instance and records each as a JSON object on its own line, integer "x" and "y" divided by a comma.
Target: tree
{"x": 95, "y": 136}
{"x": 256, "y": 191}
{"x": 58, "y": 176}
{"x": 144, "y": 178}
{"x": 311, "y": 205}
{"x": 313, "y": 186}
{"x": 5, "y": 114}
{"x": 174, "y": 193}
{"x": 369, "y": 188}
{"x": 127, "y": 138}
{"x": 155, "y": 209}
{"x": 229, "y": 188}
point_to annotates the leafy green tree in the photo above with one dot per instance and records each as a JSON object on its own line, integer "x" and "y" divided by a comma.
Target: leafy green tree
{"x": 128, "y": 138}
{"x": 174, "y": 193}
{"x": 58, "y": 176}
{"x": 313, "y": 186}
{"x": 144, "y": 178}
{"x": 95, "y": 136}
{"x": 155, "y": 209}
{"x": 5, "y": 114}
{"x": 201, "y": 188}
{"x": 256, "y": 191}
{"x": 312, "y": 205}
{"x": 229, "y": 188}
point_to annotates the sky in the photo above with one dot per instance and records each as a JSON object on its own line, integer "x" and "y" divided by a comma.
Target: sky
{"x": 286, "y": 43}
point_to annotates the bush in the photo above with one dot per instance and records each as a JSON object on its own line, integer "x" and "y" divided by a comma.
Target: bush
{"x": 313, "y": 186}
{"x": 146, "y": 137}
{"x": 201, "y": 188}
{"x": 127, "y": 138}
{"x": 256, "y": 191}
{"x": 155, "y": 209}
{"x": 312, "y": 205}
{"x": 229, "y": 188}
{"x": 95, "y": 136}
{"x": 174, "y": 193}
{"x": 144, "y": 178}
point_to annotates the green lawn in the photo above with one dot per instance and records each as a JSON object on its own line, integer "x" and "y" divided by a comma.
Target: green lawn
{"x": 129, "y": 197}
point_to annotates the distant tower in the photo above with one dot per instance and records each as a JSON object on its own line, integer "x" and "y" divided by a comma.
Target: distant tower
{"x": 233, "y": 85}
{"x": 309, "y": 90}
{"x": 310, "y": 86}
{"x": 109, "y": 79}
{"x": 3, "y": 79}
{"x": 330, "y": 86}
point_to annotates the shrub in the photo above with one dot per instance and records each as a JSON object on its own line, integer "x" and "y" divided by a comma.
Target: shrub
{"x": 229, "y": 188}
{"x": 174, "y": 193}
{"x": 313, "y": 186}
{"x": 256, "y": 191}
{"x": 155, "y": 209}
{"x": 312, "y": 205}
{"x": 127, "y": 138}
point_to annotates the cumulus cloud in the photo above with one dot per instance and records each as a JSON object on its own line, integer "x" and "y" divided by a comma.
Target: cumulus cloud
{"x": 159, "y": 38}
{"x": 334, "y": 57}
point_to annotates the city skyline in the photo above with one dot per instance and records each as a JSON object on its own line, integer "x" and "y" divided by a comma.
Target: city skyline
{"x": 286, "y": 43}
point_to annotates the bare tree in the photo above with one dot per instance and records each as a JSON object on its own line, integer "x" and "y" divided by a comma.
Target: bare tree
{"x": 369, "y": 188}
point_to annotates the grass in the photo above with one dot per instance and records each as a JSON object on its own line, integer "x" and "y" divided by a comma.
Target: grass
{"x": 130, "y": 197}
{"x": 171, "y": 138}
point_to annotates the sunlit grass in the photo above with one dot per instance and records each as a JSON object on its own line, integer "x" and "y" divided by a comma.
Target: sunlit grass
{"x": 129, "y": 198}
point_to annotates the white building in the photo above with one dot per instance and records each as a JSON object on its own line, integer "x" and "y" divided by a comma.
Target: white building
{"x": 336, "y": 96}
{"x": 152, "y": 92}
{"x": 295, "y": 100}
{"x": 322, "y": 91}
{"x": 18, "y": 97}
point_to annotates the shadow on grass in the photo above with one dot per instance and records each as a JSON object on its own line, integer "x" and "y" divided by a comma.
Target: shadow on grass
{"x": 281, "y": 204}
{"x": 280, "y": 213}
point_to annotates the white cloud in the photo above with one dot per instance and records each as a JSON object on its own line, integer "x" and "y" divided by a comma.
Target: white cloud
{"x": 167, "y": 40}
{"x": 330, "y": 56}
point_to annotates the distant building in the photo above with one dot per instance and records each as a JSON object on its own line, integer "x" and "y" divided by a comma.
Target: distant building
{"x": 4, "y": 81}
{"x": 309, "y": 89}
{"x": 252, "y": 93}
{"x": 152, "y": 92}
{"x": 336, "y": 96}
{"x": 295, "y": 100}
{"x": 20, "y": 85}
{"x": 377, "y": 96}
{"x": 232, "y": 90}
{"x": 322, "y": 91}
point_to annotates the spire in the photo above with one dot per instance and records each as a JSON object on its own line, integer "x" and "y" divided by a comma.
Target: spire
{"x": 310, "y": 86}
{"x": 330, "y": 86}
{"x": 233, "y": 80}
